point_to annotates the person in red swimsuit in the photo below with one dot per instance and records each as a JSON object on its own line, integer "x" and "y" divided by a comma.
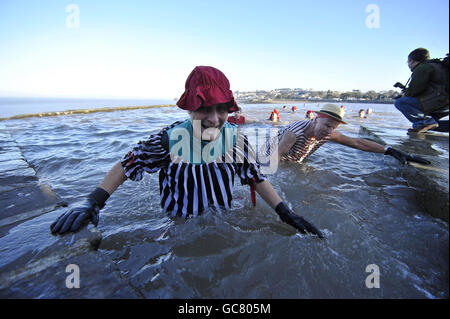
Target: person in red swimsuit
{"x": 237, "y": 118}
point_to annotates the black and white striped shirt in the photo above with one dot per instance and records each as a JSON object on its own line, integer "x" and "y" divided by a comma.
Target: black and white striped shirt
{"x": 303, "y": 146}
{"x": 188, "y": 188}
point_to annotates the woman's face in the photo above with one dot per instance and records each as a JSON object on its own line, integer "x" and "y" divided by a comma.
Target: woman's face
{"x": 207, "y": 121}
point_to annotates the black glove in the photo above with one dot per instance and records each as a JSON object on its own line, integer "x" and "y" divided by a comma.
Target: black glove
{"x": 399, "y": 85}
{"x": 405, "y": 158}
{"x": 74, "y": 219}
{"x": 296, "y": 221}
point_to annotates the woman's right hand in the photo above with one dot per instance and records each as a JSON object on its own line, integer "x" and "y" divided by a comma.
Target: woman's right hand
{"x": 74, "y": 219}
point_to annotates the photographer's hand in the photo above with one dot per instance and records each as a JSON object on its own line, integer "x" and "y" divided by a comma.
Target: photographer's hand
{"x": 399, "y": 85}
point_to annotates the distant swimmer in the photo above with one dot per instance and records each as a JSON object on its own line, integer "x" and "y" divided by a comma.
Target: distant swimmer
{"x": 369, "y": 111}
{"x": 362, "y": 113}
{"x": 310, "y": 114}
{"x": 239, "y": 119}
{"x": 294, "y": 108}
{"x": 426, "y": 99}
{"x": 274, "y": 116}
{"x": 300, "y": 139}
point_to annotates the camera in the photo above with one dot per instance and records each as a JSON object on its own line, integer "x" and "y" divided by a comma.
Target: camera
{"x": 399, "y": 85}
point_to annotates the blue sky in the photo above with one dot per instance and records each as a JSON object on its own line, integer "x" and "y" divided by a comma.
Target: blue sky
{"x": 146, "y": 49}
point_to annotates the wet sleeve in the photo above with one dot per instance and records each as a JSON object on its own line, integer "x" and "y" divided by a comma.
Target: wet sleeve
{"x": 146, "y": 156}
{"x": 248, "y": 169}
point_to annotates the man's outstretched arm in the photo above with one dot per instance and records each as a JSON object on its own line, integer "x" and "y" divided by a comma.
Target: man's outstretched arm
{"x": 370, "y": 146}
{"x": 358, "y": 143}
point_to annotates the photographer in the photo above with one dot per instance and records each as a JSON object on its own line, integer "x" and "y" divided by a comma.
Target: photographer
{"x": 425, "y": 99}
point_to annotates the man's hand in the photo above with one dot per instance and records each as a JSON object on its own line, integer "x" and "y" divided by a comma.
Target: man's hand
{"x": 296, "y": 221}
{"x": 405, "y": 158}
{"x": 74, "y": 219}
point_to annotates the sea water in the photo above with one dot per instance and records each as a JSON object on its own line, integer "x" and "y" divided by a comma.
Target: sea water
{"x": 360, "y": 201}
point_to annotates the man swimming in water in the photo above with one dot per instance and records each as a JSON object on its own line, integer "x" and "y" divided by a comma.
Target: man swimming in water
{"x": 300, "y": 139}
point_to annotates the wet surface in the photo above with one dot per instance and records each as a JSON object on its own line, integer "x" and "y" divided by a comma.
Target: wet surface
{"x": 364, "y": 203}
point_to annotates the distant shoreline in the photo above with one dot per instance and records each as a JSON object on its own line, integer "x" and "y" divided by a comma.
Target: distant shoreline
{"x": 312, "y": 101}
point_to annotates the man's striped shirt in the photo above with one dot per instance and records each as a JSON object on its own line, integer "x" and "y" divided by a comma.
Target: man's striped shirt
{"x": 303, "y": 146}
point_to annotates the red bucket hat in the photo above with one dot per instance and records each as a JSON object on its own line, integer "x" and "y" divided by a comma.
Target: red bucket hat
{"x": 206, "y": 86}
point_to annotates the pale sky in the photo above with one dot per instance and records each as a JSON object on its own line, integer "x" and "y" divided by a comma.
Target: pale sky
{"x": 146, "y": 49}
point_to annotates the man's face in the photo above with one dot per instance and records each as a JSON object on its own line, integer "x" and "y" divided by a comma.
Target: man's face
{"x": 237, "y": 115}
{"x": 324, "y": 127}
{"x": 411, "y": 64}
{"x": 207, "y": 121}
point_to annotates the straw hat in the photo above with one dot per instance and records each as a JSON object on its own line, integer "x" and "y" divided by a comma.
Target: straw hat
{"x": 333, "y": 111}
